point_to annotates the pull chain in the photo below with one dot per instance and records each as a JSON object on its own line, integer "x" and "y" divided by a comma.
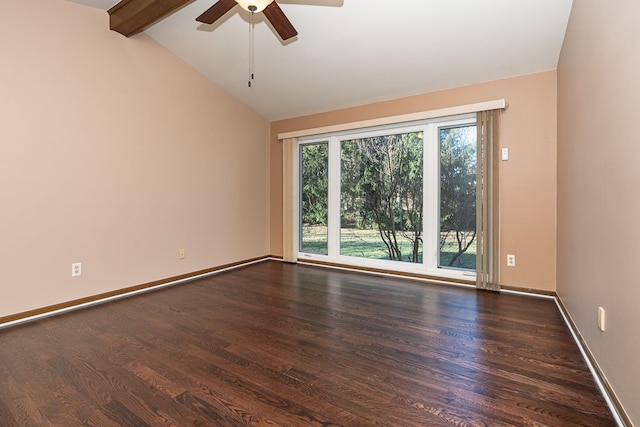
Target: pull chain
{"x": 251, "y": 41}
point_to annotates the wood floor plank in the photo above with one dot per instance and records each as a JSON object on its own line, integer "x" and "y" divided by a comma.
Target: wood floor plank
{"x": 277, "y": 344}
{"x": 24, "y": 410}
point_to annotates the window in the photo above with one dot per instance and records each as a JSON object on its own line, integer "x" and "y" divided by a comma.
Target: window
{"x": 381, "y": 189}
{"x": 400, "y": 197}
{"x": 457, "y": 197}
{"x": 314, "y": 194}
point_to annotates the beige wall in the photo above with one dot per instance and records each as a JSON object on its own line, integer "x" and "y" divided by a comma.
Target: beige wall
{"x": 115, "y": 153}
{"x": 528, "y": 183}
{"x": 598, "y": 181}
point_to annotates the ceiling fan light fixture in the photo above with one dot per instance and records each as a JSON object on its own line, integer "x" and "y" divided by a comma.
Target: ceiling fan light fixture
{"x": 254, "y": 6}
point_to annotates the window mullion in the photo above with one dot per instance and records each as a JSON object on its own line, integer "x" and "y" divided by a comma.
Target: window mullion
{"x": 334, "y": 198}
{"x": 431, "y": 239}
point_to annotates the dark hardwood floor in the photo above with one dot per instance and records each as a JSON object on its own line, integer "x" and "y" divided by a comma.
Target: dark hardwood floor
{"x": 277, "y": 344}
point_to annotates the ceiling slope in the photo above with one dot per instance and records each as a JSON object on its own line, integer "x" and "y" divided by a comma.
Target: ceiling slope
{"x": 354, "y": 52}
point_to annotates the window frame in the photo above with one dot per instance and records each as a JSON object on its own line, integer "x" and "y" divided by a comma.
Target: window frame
{"x": 431, "y": 197}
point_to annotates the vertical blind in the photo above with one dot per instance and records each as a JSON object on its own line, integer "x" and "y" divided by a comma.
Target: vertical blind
{"x": 289, "y": 252}
{"x": 487, "y": 201}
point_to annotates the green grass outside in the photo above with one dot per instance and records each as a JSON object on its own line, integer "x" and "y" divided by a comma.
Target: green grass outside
{"x": 368, "y": 244}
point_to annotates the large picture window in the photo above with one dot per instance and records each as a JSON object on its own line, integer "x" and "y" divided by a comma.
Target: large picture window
{"x": 381, "y": 197}
{"x": 400, "y": 197}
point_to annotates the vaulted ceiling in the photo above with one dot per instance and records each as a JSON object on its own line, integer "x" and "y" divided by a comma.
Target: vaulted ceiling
{"x": 353, "y": 52}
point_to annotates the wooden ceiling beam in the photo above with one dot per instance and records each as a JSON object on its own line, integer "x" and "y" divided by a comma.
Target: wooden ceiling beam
{"x": 130, "y": 17}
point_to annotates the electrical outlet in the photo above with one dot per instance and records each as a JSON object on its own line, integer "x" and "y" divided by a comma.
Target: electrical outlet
{"x": 181, "y": 254}
{"x": 76, "y": 269}
{"x": 511, "y": 260}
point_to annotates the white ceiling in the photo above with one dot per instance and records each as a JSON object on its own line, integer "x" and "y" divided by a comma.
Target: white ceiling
{"x": 354, "y": 52}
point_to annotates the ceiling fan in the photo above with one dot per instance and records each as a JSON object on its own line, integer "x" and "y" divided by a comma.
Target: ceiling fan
{"x": 269, "y": 8}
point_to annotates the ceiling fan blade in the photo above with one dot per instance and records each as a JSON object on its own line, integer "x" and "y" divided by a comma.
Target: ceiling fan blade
{"x": 280, "y": 22}
{"x": 216, "y": 11}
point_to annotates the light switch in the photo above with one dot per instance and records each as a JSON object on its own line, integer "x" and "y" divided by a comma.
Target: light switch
{"x": 601, "y": 319}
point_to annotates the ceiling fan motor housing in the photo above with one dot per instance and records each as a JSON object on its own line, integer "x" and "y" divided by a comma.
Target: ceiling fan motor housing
{"x": 270, "y": 8}
{"x": 254, "y": 6}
